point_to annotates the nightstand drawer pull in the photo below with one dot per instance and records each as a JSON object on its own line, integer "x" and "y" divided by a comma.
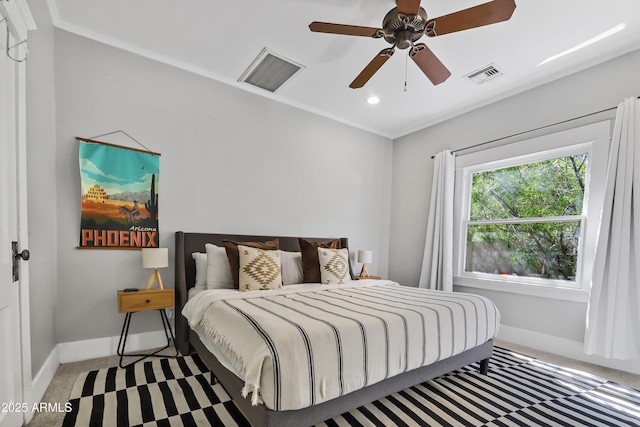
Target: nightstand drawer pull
{"x": 148, "y": 301}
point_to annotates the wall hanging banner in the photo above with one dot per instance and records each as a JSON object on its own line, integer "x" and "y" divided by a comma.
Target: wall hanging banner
{"x": 119, "y": 189}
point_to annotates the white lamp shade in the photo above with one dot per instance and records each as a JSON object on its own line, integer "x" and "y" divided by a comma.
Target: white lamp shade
{"x": 365, "y": 257}
{"x": 155, "y": 257}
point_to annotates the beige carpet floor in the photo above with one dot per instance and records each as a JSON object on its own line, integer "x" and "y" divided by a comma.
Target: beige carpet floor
{"x": 60, "y": 388}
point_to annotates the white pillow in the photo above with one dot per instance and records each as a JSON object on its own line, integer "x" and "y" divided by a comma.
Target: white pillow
{"x": 201, "y": 270}
{"x": 259, "y": 269}
{"x": 334, "y": 266}
{"x": 291, "y": 268}
{"x": 218, "y": 270}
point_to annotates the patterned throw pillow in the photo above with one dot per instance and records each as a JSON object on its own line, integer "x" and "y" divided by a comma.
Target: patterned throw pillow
{"x": 310, "y": 264}
{"x": 231, "y": 248}
{"x": 334, "y": 266}
{"x": 259, "y": 269}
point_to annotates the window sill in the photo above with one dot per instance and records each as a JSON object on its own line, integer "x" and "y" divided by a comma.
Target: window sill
{"x": 542, "y": 291}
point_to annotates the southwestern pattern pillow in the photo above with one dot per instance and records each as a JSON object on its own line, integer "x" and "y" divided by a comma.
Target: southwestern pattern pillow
{"x": 334, "y": 266}
{"x": 231, "y": 248}
{"x": 259, "y": 269}
{"x": 310, "y": 265}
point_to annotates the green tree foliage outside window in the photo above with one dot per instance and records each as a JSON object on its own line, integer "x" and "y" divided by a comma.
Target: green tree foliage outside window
{"x": 525, "y": 220}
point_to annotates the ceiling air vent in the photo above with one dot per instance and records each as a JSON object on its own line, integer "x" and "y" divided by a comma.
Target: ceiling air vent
{"x": 269, "y": 71}
{"x": 485, "y": 74}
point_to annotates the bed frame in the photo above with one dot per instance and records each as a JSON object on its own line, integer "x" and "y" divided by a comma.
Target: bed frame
{"x": 187, "y": 342}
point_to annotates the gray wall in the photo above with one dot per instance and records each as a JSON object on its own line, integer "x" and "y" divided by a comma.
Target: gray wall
{"x": 592, "y": 90}
{"x": 232, "y": 162}
{"x": 42, "y": 189}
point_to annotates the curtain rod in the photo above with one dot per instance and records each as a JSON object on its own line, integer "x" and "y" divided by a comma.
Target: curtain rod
{"x": 532, "y": 130}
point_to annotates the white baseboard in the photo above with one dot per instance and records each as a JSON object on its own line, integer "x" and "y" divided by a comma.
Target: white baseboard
{"x": 44, "y": 376}
{"x": 563, "y": 347}
{"x": 104, "y": 347}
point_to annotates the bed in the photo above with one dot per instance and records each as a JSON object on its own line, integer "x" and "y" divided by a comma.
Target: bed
{"x": 263, "y": 409}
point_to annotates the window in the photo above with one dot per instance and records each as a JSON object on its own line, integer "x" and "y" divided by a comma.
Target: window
{"x": 522, "y": 212}
{"x": 525, "y": 220}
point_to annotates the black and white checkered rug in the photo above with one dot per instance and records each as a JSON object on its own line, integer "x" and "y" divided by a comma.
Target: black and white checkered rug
{"x": 519, "y": 391}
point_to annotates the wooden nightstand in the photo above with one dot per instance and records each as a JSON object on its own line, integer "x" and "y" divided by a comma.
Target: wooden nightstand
{"x": 144, "y": 300}
{"x": 369, "y": 277}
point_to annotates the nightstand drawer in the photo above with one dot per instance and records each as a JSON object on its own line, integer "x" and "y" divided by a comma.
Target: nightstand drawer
{"x": 151, "y": 299}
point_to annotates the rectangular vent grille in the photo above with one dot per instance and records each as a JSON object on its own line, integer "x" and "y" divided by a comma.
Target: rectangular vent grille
{"x": 270, "y": 71}
{"x": 485, "y": 74}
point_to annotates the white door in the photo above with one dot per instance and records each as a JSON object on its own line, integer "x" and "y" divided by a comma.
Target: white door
{"x": 10, "y": 351}
{"x": 15, "y": 366}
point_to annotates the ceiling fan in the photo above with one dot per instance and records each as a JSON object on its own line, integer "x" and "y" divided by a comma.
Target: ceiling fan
{"x": 405, "y": 24}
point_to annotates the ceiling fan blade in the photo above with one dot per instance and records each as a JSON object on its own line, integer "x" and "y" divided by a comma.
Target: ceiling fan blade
{"x": 347, "y": 30}
{"x": 477, "y": 16}
{"x": 429, "y": 63}
{"x": 372, "y": 68}
{"x": 408, "y": 7}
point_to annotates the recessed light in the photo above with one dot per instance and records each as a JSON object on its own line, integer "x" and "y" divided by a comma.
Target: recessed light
{"x": 373, "y": 100}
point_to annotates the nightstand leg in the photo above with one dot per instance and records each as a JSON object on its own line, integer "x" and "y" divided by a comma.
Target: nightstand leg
{"x": 123, "y": 336}
{"x": 125, "y": 332}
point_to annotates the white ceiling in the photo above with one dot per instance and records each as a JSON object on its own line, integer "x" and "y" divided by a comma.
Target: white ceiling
{"x": 220, "y": 40}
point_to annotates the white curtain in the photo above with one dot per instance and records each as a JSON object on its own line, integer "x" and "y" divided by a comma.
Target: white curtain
{"x": 437, "y": 264}
{"x": 613, "y": 315}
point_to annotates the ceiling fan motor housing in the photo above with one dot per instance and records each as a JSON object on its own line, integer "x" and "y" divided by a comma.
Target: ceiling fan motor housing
{"x": 403, "y": 30}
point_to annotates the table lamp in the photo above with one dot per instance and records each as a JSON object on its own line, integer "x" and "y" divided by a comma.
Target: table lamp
{"x": 155, "y": 258}
{"x": 365, "y": 257}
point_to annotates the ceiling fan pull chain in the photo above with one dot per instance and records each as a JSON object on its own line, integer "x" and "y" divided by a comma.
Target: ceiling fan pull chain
{"x": 406, "y": 66}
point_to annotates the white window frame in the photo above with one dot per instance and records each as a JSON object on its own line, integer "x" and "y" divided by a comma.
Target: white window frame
{"x": 591, "y": 139}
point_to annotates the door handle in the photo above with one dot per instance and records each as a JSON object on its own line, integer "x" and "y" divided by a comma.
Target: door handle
{"x": 17, "y": 256}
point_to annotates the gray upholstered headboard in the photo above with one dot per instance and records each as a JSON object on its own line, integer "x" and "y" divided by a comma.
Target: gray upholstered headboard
{"x": 188, "y": 243}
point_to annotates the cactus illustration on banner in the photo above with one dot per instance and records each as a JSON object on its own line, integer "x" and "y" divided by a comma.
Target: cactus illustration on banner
{"x": 152, "y": 203}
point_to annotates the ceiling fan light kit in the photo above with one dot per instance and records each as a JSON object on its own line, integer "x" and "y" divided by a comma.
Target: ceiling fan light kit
{"x": 405, "y": 24}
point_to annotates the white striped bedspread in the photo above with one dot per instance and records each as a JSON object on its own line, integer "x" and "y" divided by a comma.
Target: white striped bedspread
{"x": 306, "y": 344}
